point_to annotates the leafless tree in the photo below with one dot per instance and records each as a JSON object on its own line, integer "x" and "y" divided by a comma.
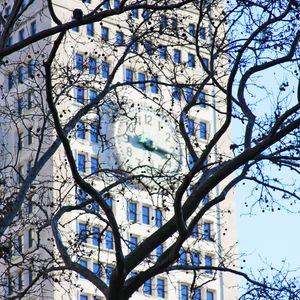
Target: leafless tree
{"x": 183, "y": 62}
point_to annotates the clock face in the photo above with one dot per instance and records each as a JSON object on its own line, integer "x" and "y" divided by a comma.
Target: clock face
{"x": 147, "y": 140}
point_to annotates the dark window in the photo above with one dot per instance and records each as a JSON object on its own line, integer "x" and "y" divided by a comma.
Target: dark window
{"x": 83, "y": 297}
{"x": 195, "y": 232}
{"x": 135, "y": 13}
{"x": 205, "y": 199}
{"x": 10, "y": 81}
{"x": 108, "y": 200}
{"x": 191, "y": 60}
{"x": 163, "y": 52}
{"x": 142, "y": 78}
{"x": 154, "y": 85}
{"x": 159, "y": 250}
{"x": 148, "y": 287}
{"x": 81, "y": 163}
{"x": 177, "y": 56}
{"x": 82, "y": 232}
{"x": 97, "y": 269}
{"x": 202, "y": 33}
{"x": 116, "y": 3}
{"x": 33, "y": 27}
{"x": 79, "y": 95}
{"x": 94, "y": 166}
{"x": 149, "y": 47}
{"x": 90, "y": 29}
{"x": 80, "y": 130}
{"x": 182, "y": 257}
{"x": 206, "y": 231}
{"x": 174, "y": 24}
{"x": 30, "y": 238}
{"x": 94, "y": 133}
{"x": 31, "y": 68}
{"x": 206, "y": 62}
{"x": 145, "y": 214}
{"x": 145, "y": 14}
{"x": 75, "y": 29}
{"x": 96, "y": 236}
{"x": 81, "y": 196}
{"x": 83, "y": 263}
{"x": 208, "y": 263}
{"x": 79, "y": 62}
{"x": 190, "y": 162}
{"x": 21, "y": 74}
{"x": 195, "y": 259}
{"x": 106, "y": 5}
{"x": 92, "y": 66}
{"x": 21, "y": 35}
{"x": 188, "y": 94}
{"x": 29, "y": 136}
{"x": 129, "y": 75}
{"x": 20, "y": 280}
{"x": 108, "y": 271}
{"x": 104, "y": 33}
{"x": 209, "y": 295}
{"x": 92, "y": 95}
{"x": 163, "y": 21}
{"x": 197, "y": 294}
{"x": 109, "y": 239}
{"x": 158, "y": 218}
{"x": 191, "y": 127}
{"x": 191, "y": 29}
{"x": 119, "y": 38}
{"x": 132, "y": 212}
{"x": 176, "y": 94}
{"x": 184, "y": 292}
{"x": 105, "y": 70}
{"x": 133, "y": 242}
{"x": 202, "y": 99}
{"x": 160, "y": 288}
{"x": 203, "y": 131}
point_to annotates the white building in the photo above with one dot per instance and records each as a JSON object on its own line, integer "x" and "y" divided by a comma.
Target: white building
{"x": 133, "y": 130}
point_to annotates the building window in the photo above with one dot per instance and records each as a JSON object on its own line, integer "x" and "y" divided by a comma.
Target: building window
{"x": 190, "y": 161}
{"x": 191, "y": 60}
{"x": 79, "y": 62}
{"x": 119, "y": 38}
{"x": 21, "y": 74}
{"x": 154, "y": 85}
{"x": 158, "y": 218}
{"x": 176, "y": 93}
{"x": 92, "y": 66}
{"x": 105, "y": 70}
{"x": 19, "y": 244}
{"x": 133, "y": 242}
{"x": 94, "y": 166}
{"x": 134, "y": 46}
{"x": 20, "y": 280}
{"x": 96, "y": 236}
{"x": 145, "y": 14}
{"x": 203, "y": 131}
{"x": 83, "y": 263}
{"x": 87, "y": 1}
{"x": 29, "y": 136}
{"x": 135, "y": 13}
{"x": 207, "y": 231}
{"x": 197, "y": 294}
{"x": 191, "y": 29}
{"x": 21, "y": 35}
{"x": 145, "y": 214}
{"x": 191, "y": 127}
{"x": 177, "y": 56}
{"x": 182, "y": 257}
{"x": 160, "y": 283}
{"x": 202, "y": 100}
{"x": 205, "y": 199}
{"x": 10, "y": 81}
{"x": 163, "y": 21}
{"x": 202, "y": 33}
{"x": 184, "y": 291}
{"x": 79, "y": 95}
{"x": 163, "y": 52}
{"x": 81, "y": 163}
{"x": 21, "y": 105}
{"x": 20, "y": 141}
{"x": 148, "y": 287}
{"x": 195, "y": 232}
{"x": 104, "y": 33}
{"x": 209, "y": 295}
{"x": 208, "y": 263}
{"x": 82, "y": 233}
{"x": 90, "y": 29}
{"x": 29, "y": 276}
{"x": 31, "y": 68}
{"x": 94, "y": 133}
{"x": 132, "y": 213}
{"x": 206, "y": 62}
{"x": 129, "y": 75}
{"x": 149, "y": 47}
{"x": 81, "y": 196}
{"x": 97, "y": 269}
{"x": 159, "y": 250}
{"x": 189, "y": 94}
{"x": 108, "y": 200}
{"x": 106, "y": 4}
{"x": 108, "y": 271}
{"x": 80, "y": 133}
{"x": 92, "y": 95}
{"x": 141, "y": 79}
{"x": 109, "y": 240}
{"x": 116, "y": 3}
{"x": 33, "y": 27}
{"x": 195, "y": 259}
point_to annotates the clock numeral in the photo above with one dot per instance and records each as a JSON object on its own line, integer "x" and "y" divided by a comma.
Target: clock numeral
{"x": 148, "y": 120}
{"x": 168, "y": 137}
{"x": 130, "y": 127}
{"x": 129, "y": 151}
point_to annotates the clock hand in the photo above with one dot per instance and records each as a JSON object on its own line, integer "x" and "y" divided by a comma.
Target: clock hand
{"x": 151, "y": 146}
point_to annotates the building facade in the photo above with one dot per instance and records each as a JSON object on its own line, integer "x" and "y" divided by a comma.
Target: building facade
{"x": 133, "y": 88}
